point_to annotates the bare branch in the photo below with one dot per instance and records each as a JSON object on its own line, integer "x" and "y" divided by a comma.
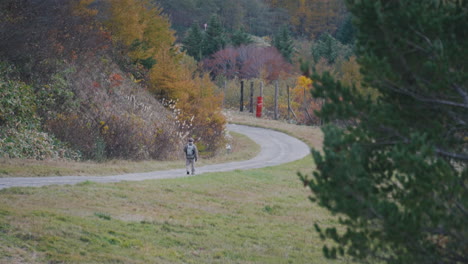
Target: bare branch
{"x": 451, "y": 155}
{"x": 462, "y": 208}
{"x": 394, "y": 87}
{"x": 462, "y": 92}
{"x": 422, "y": 36}
{"x": 443, "y": 102}
{"x": 439, "y": 151}
{"x": 416, "y": 46}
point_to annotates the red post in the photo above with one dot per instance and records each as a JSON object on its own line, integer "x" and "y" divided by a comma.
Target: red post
{"x": 259, "y": 106}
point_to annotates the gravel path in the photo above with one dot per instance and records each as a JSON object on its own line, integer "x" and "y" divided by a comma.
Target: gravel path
{"x": 276, "y": 148}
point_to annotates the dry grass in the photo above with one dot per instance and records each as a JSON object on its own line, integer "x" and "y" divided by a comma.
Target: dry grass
{"x": 243, "y": 148}
{"x": 313, "y": 136}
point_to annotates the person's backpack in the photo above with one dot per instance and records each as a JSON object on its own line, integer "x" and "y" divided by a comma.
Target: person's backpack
{"x": 190, "y": 151}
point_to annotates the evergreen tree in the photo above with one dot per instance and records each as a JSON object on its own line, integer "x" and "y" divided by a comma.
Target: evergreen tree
{"x": 329, "y": 48}
{"x": 215, "y": 37}
{"x": 240, "y": 37}
{"x": 193, "y": 42}
{"x": 346, "y": 32}
{"x": 395, "y": 169}
{"x": 284, "y": 42}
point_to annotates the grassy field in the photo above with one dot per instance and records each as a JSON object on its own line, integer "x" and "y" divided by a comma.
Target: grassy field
{"x": 255, "y": 216}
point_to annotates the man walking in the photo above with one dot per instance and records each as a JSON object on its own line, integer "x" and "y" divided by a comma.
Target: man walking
{"x": 191, "y": 156}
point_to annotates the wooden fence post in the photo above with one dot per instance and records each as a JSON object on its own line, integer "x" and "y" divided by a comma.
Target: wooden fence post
{"x": 251, "y": 97}
{"x": 289, "y": 103}
{"x": 242, "y": 97}
{"x": 276, "y": 99}
{"x": 261, "y": 89}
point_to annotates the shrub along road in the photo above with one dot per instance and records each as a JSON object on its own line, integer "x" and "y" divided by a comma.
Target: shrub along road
{"x": 276, "y": 148}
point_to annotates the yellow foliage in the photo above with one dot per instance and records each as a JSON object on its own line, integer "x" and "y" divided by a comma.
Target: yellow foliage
{"x": 174, "y": 78}
{"x": 140, "y": 26}
{"x": 304, "y": 81}
{"x": 147, "y": 35}
{"x": 303, "y": 86}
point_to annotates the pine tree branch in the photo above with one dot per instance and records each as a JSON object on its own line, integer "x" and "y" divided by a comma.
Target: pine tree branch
{"x": 462, "y": 208}
{"x": 422, "y": 36}
{"x": 451, "y": 155}
{"x": 407, "y": 69}
{"x": 439, "y": 151}
{"x": 394, "y": 87}
{"x": 462, "y": 92}
{"x": 458, "y": 120}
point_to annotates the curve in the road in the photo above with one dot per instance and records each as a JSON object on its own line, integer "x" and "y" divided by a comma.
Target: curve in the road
{"x": 276, "y": 148}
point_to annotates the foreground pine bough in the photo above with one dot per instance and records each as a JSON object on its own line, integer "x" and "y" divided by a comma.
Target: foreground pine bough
{"x": 397, "y": 171}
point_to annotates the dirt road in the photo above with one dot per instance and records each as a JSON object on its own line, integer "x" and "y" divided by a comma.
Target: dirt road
{"x": 276, "y": 148}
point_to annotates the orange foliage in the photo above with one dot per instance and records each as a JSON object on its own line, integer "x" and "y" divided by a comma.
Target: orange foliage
{"x": 197, "y": 107}
{"x": 149, "y": 40}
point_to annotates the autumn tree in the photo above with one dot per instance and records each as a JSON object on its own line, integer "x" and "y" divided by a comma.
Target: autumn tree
{"x": 395, "y": 169}
{"x": 310, "y": 18}
{"x": 149, "y": 38}
{"x": 303, "y": 104}
{"x": 54, "y": 32}
{"x": 141, "y": 27}
{"x": 76, "y": 55}
{"x": 192, "y": 98}
{"x": 248, "y": 62}
{"x": 223, "y": 63}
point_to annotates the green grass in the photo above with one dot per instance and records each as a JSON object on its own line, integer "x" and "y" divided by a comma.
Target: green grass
{"x": 255, "y": 216}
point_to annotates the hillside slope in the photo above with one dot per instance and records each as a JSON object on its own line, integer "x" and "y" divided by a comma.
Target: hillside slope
{"x": 103, "y": 85}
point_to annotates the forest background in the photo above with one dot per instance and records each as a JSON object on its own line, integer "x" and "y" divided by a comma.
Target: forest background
{"x": 100, "y": 79}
